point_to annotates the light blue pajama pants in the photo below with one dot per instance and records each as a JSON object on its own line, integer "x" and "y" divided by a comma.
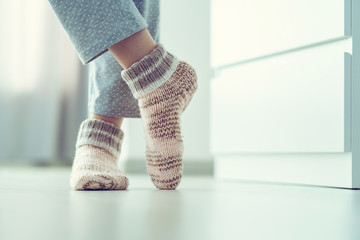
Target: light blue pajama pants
{"x": 92, "y": 27}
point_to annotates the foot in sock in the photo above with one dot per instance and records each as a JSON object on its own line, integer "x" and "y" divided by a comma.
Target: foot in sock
{"x": 164, "y": 87}
{"x": 97, "y": 151}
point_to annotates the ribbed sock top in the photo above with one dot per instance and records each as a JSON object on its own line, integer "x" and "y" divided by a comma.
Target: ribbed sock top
{"x": 150, "y": 72}
{"x": 102, "y": 134}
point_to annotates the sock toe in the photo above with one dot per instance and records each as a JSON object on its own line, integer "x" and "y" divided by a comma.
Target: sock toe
{"x": 98, "y": 181}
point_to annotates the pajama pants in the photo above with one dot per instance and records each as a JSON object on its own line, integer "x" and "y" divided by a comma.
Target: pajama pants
{"x": 94, "y": 25}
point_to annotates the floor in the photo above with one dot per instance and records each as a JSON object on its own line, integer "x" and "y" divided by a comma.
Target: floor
{"x": 37, "y": 203}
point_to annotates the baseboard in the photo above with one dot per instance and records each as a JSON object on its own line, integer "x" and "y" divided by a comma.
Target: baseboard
{"x": 320, "y": 169}
{"x": 191, "y": 167}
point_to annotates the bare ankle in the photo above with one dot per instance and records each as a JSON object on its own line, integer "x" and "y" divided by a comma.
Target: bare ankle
{"x": 115, "y": 121}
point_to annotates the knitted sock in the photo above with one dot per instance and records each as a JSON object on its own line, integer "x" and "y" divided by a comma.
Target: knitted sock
{"x": 164, "y": 87}
{"x": 97, "y": 151}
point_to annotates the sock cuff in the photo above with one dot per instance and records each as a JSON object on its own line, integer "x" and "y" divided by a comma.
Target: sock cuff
{"x": 150, "y": 72}
{"x": 101, "y": 134}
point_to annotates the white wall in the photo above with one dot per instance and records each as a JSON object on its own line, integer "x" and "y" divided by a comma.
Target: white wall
{"x": 185, "y": 32}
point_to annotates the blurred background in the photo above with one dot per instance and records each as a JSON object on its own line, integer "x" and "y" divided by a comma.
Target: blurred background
{"x": 275, "y": 99}
{"x": 278, "y": 102}
{"x": 43, "y": 86}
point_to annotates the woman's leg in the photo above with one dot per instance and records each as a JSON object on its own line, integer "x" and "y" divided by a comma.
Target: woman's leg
{"x": 164, "y": 87}
{"x": 109, "y": 95}
{"x": 92, "y": 26}
{"x": 133, "y": 48}
{"x": 116, "y": 121}
{"x": 162, "y": 84}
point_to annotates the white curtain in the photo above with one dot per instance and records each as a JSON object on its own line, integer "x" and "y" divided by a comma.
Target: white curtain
{"x": 43, "y": 86}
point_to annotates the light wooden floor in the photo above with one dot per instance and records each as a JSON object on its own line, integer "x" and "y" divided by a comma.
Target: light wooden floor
{"x": 37, "y": 203}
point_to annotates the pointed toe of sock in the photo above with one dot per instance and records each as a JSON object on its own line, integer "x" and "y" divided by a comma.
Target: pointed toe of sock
{"x": 165, "y": 170}
{"x": 166, "y": 183}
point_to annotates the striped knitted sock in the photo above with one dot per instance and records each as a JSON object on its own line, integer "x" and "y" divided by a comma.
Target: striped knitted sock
{"x": 97, "y": 151}
{"x": 164, "y": 87}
